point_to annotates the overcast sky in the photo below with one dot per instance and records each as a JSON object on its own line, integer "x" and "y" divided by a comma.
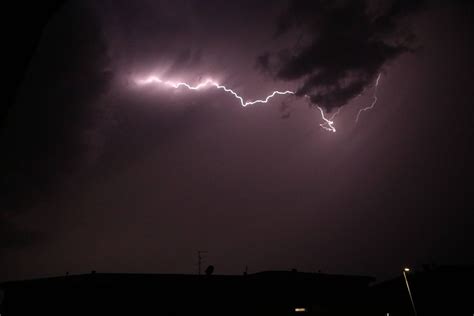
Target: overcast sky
{"x": 99, "y": 173}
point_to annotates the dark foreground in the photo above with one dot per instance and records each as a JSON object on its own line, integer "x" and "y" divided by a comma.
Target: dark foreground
{"x": 436, "y": 291}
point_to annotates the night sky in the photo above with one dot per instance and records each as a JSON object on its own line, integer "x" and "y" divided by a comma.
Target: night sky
{"x": 99, "y": 173}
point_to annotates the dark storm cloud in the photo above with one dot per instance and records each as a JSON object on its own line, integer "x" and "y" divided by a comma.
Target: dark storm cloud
{"x": 45, "y": 135}
{"x": 340, "y": 46}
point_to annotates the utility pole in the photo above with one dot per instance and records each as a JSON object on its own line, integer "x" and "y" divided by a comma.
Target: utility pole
{"x": 409, "y": 291}
{"x": 200, "y": 260}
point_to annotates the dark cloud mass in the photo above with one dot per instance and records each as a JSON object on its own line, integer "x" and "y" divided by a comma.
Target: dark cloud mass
{"x": 340, "y": 46}
{"x": 53, "y": 123}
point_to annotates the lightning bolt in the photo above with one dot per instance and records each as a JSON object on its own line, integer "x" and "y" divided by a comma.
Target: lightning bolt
{"x": 207, "y": 83}
{"x": 328, "y": 122}
{"x": 327, "y": 125}
{"x": 371, "y": 106}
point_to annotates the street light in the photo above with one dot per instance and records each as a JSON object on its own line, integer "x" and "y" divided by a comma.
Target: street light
{"x": 405, "y": 270}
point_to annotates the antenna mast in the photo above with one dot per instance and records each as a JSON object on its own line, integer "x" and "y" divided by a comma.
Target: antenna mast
{"x": 200, "y": 260}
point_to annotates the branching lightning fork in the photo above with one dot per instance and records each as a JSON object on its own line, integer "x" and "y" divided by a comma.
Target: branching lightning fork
{"x": 328, "y": 123}
{"x": 371, "y": 106}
